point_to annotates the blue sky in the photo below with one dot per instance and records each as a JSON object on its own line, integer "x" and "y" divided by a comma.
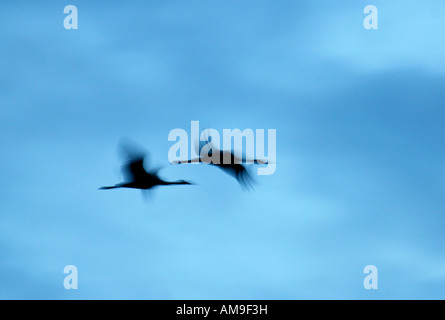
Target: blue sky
{"x": 360, "y": 173}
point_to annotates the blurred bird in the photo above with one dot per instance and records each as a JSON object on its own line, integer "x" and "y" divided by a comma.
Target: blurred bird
{"x": 234, "y": 168}
{"x": 136, "y": 176}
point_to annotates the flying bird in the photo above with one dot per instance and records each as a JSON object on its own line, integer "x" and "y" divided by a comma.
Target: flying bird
{"x": 234, "y": 168}
{"x": 136, "y": 176}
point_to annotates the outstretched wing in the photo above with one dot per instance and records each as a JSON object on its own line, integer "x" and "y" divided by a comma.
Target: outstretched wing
{"x": 130, "y": 150}
{"x": 244, "y": 178}
{"x": 133, "y": 168}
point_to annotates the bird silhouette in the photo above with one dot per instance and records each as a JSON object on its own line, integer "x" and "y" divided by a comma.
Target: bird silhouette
{"x": 235, "y": 167}
{"x": 136, "y": 176}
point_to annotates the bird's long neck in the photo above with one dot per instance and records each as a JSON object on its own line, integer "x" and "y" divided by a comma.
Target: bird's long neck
{"x": 119, "y": 185}
{"x": 179, "y": 182}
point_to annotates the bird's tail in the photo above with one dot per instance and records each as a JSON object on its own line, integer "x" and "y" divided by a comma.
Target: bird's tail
{"x": 186, "y": 161}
